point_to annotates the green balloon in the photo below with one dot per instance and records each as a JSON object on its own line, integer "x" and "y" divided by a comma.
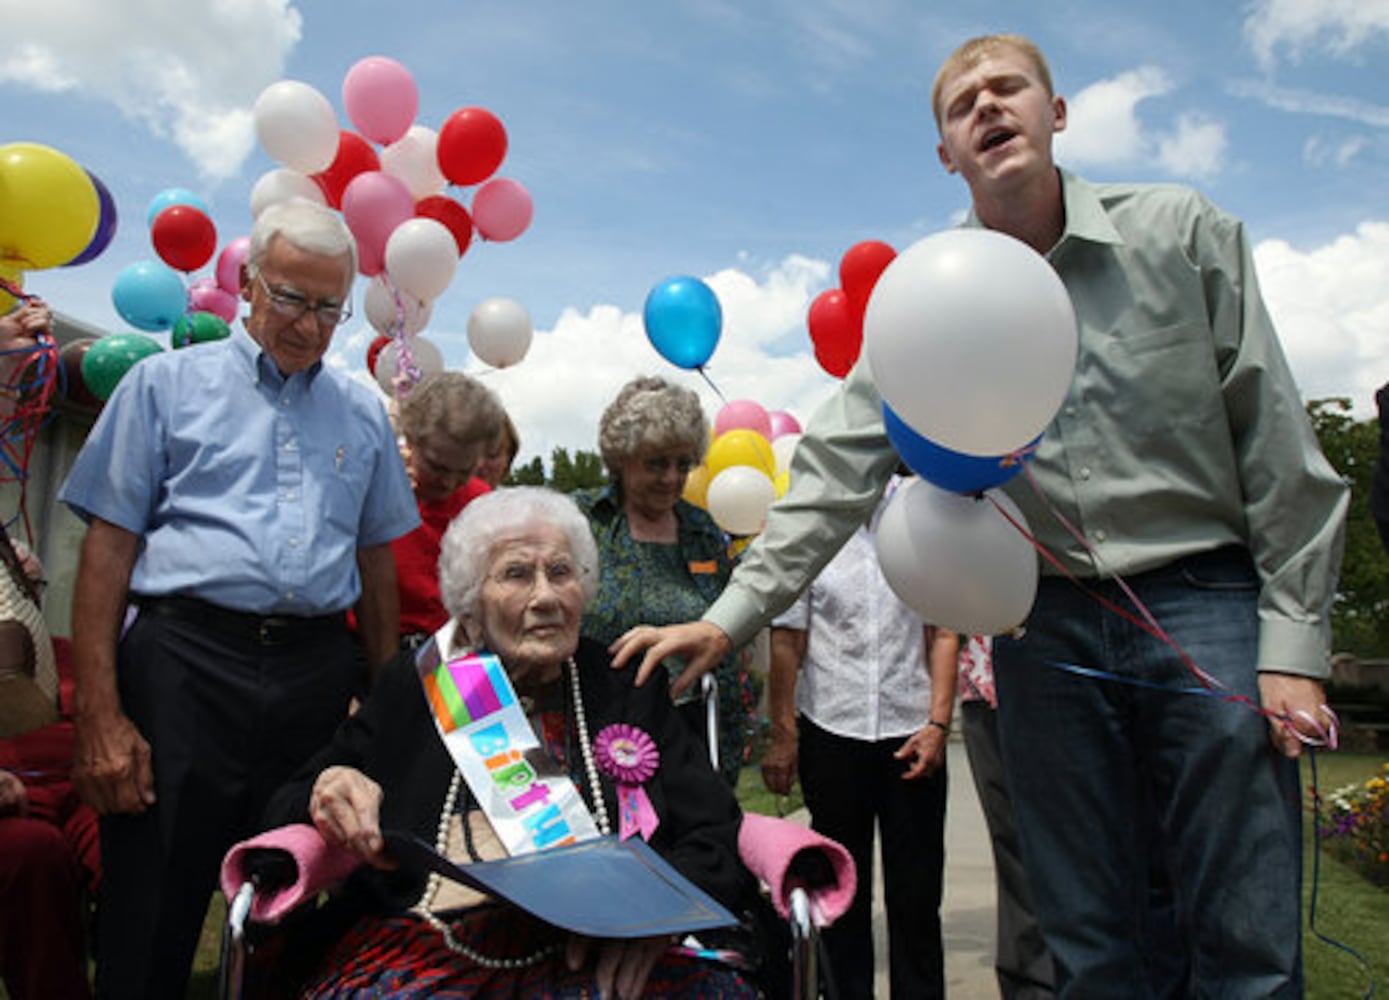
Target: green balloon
{"x": 199, "y": 328}
{"x": 111, "y": 356}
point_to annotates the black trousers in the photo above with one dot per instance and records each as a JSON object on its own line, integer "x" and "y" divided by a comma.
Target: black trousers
{"x": 851, "y": 785}
{"x": 229, "y": 716}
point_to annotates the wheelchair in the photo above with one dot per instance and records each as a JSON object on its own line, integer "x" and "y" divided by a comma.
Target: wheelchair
{"x": 807, "y": 881}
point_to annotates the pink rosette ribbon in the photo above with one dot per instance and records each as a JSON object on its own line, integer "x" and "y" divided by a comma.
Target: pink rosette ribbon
{"x": 629, "y": 756}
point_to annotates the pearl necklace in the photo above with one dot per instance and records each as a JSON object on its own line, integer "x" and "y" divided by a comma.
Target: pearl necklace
{"x": 441, "y": 840}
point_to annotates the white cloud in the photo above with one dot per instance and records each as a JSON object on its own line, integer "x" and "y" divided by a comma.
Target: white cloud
{"x": 557, "y": 393}
{"x": 1103, "y": 129}
{"x": 1337, "y": 26}
{"x": 189, "y": 72}
{"x": 1320, "y": 151}
{"x": 1331, "y": 306}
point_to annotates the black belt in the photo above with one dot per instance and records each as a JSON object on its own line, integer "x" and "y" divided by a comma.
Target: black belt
{"x": 264, "y": 630}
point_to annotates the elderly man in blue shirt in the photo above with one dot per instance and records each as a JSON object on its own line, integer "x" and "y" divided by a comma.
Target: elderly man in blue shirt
{"x": 240, "y": 496}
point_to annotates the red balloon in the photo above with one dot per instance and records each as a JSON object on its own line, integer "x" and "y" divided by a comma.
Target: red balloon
{"x": 184, "y": 237}
{"x": 472, "y": 145}
{"x": 442, "y": 208}
{"x": 859, "y": 269}
{"x": 374, "y": 351}
{"x": 836, "y": 332}
{"x": 355, "y": 156}
{"x": 74, "y": 385}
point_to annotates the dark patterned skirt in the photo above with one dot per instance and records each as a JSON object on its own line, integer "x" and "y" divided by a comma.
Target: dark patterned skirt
{"x": 403, "y": 956}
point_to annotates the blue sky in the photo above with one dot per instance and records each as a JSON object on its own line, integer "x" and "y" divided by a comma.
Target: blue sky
{"x": 749, "y": 144}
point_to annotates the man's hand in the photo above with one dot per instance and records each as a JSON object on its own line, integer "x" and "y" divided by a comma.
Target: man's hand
{"x": 345, "y": 806}
{"x": 925, "y": 748}
{"x": 1300, "y": 703}
{"x": 781, "y": 761}
{"x": 700, "y": 644}
{"x": 14, "y": 797}
{"x": 111, "y": 764}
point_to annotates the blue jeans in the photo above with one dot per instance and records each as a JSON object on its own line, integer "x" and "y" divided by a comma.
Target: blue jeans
{"x": 1091, "y": 762}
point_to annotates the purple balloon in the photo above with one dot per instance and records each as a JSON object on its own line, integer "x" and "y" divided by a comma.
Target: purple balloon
{"x": 105, "y": 226}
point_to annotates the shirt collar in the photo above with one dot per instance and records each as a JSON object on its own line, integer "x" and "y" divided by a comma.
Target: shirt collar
{"x": 261, "y": 366}
{"x": 1086, "y": 218}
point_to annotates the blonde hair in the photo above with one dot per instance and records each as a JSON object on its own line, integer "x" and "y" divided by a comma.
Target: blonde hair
{"x": 975, "y": 51}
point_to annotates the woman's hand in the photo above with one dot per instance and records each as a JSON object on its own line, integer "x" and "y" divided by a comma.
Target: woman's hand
{"x": 345, "y": 806}
{"x": 623, "y": 965}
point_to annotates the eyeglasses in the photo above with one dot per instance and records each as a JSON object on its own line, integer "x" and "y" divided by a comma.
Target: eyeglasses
{"x": 659, "y": 465}
{"x": 291, "y": 305}
{"x": 521, "y": 577}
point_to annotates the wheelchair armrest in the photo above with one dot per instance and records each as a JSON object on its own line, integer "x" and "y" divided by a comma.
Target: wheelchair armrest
{"x": 288, "y": 866}
{"x": 787, "y": 856}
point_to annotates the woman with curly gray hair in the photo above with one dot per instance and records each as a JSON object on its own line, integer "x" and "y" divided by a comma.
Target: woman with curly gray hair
{"x": 664, "y": 560}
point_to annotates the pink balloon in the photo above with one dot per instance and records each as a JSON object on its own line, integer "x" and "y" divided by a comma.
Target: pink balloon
{"x": 205, "y": 295}
{"x": 373, "y": 204}
{"x": 743, "y": 414}
{"x": 229, "y": 264}
{"x": 381, "y": 98}
{"x": 502, "y": 209}
{"x": 782, "y": 423}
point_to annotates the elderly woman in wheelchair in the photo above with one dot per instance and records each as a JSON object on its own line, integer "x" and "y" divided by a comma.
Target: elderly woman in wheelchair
{"x": 508, "y": 735}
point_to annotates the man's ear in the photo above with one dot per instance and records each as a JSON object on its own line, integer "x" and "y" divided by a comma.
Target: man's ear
{"x": 1058, "y": 114}
{"x": 246, "y": 280}
{"x": 945, "y": 160}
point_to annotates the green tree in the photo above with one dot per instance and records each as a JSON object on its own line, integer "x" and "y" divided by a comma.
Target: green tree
{"x": 530, "y": 474}
{"x": 583, "y": 471}
{"x": 1360, "y": 616}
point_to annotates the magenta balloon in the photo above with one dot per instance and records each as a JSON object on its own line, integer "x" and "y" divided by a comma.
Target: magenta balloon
{"x": 502, "y": 209}
{"x": 743, "y": 414}
{"x": 229, "y": 263}
{"x": 205, "y": 295}
{"x": 373, "y": 204}
{"x": 381, "y": 98}
{"x": 782, "y": 423}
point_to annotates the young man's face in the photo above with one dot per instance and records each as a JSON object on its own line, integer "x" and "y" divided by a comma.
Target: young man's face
{"x": 997, "y": 120}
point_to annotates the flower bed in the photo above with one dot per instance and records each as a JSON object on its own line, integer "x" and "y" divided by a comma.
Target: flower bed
{"x": 1354, "y": 825}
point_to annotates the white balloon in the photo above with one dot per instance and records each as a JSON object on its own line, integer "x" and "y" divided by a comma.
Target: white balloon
{"x": 955, "y": 560}
{"x": 385, "y": 307}
{"x": 297, "y": 126}
{"x": 421, "y": 258}
{"x": 281, "y": 184}
{"x": 971, "y": 339}
{"x": 783, "y": 448}
{"x": 499, "y": 332}
{"x": 738, "y": 499}
{"x": 414, "y": 160}
{"x": 426, "y": 356}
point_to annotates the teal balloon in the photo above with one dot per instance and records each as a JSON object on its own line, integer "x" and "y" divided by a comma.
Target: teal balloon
{"x": 110, "y": 357}
{"x": 683, "y": 321}
{"x": 149, "y": 296}
{"x": 174, "y": 196}
{"x": 199, "y": 328}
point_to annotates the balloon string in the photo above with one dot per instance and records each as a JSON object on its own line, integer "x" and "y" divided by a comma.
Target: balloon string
{"x": 31, "y": 386}
{"x": 407, "y": 372}
{"x": 1146, "y": 622}
{"x": 717, "y": 392}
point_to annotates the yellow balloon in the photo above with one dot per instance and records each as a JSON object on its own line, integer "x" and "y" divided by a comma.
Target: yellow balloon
{"x": 12, "y": 276}
{"x": 49, "y": 208}
{"x": 782, "y": 482}
{"x": 741, "y": 447}
{"x": 697, "y": 486}
{"x": 739, "y": 545}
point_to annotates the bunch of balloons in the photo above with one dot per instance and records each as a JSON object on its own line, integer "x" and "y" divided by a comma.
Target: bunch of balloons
{"x": 971, "y": 340}
{"x": 158, "y": 295}
{"x": 747, "y": 466}
{"x": 835, "y": 319}
{"x": 410, "y": 233}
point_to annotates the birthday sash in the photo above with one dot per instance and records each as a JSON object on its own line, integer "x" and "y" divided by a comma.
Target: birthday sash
{"x": 529, "y": 801}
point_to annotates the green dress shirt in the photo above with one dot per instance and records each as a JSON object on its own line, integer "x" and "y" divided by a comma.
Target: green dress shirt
{"x": 1182, "y": 431}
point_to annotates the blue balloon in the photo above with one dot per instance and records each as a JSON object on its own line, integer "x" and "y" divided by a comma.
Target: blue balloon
{"x": 174, "y": 196}
{"x": 149, "y": 296}
{"x": 951, "y": 470}
{"x": 683, "y": 321}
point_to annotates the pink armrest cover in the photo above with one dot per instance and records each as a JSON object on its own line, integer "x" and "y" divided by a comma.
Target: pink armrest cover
{"x": 767, "y": 845}
{"x": 319, "y": 867}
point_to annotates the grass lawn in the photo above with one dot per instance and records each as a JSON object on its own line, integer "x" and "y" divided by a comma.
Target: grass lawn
{"x": 1350, "y": 910}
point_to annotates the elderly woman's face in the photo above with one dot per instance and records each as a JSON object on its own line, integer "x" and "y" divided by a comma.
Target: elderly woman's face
{"x": 531, "y": 601}
{"x": 654, "y": 479}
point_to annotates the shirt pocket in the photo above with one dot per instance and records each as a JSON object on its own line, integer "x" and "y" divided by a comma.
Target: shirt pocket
{"x": 1164, "y": 379}
{"x": 344, "y": 474}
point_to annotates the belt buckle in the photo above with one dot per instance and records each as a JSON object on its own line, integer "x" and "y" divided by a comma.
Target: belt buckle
{"x": 272, "y": 630}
